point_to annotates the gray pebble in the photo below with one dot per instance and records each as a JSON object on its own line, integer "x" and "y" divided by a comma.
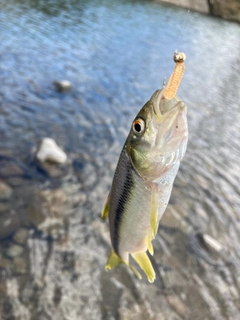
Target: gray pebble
{"x": 9, "y": 223}
{"x": 5, "y": 191}
{"x": 20, "y": 265}
{"x": 21, "y": 236}
{"x": 14, "y": 250}
{"x": 5, "y": 263}
{"x": 63, "y": 85}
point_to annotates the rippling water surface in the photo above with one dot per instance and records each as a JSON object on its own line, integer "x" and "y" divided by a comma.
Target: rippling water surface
{"x": 116, "y": 55}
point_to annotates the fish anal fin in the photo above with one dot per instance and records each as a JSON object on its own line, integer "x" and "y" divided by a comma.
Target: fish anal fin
{"x": 154, "y": 211}
{"x": 145, "y": 264}
{"x": 114, "y": 260}
{"x": 105, "y": 209}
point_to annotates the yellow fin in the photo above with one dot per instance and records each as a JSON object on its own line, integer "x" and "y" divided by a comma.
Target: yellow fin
{"x": 154, "y": 212}
{"x": 105, "y": 209}
{"x": 115, "y": 260}
{"x": 145, "y": 264}
{"x": 137, "y": 274}
{"x": 149, "y": 244}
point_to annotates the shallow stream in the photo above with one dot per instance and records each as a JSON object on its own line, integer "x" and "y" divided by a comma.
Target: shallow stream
{"x": 116, "y": 55}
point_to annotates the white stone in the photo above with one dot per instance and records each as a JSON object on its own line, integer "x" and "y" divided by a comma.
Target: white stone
{"x": 50, "y": 151}
{"x": 212, "y": 243}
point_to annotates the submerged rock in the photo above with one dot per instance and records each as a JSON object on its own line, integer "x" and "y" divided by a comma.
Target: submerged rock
{"x": 4, "y": 206}
{"x": 14, "y": 250}
{"x": 5, "y": 191}
{"x": 49, "y": 151}
{"x": 5, "y": 263}
{"x": 10, "y": 168}
{"x": 21, "y": 236}
{"x": 47, "y": 210}
{"x": 177, "y": 305}
{"x": 9, "y": 223}
{"x": 20, "y": 265}
{"x": 52, "y": 170}
{"x": 63, "y": 85}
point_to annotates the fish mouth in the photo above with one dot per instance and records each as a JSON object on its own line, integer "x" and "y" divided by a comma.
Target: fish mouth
{"x": 164, "y": 108}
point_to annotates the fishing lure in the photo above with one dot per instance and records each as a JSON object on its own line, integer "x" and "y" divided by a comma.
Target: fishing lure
{"x": 176, "y": 77}
{"x": 144, "y": 175}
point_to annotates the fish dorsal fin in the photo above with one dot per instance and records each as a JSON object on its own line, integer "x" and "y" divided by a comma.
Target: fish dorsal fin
{"x": 145, "y": 264}
{"x": 105, "y": 210}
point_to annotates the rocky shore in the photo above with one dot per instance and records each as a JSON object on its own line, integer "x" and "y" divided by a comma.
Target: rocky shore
{"x": 226, "y": 9}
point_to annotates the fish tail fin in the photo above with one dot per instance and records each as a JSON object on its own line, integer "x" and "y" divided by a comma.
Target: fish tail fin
{"x": 115, "y": 260}
{"x": 145, "y": 264}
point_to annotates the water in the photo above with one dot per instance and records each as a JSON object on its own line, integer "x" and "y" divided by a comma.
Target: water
{"x": 115, "y": 55}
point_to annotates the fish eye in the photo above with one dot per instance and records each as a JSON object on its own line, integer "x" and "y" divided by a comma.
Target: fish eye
{"x": 138, "y": 126}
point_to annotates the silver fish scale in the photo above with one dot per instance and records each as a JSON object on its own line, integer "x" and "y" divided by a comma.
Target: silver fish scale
{"x": 128, "y": 208}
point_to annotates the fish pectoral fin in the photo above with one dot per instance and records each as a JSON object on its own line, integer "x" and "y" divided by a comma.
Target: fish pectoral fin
{"x": 114, "y": 260}
{"x": 154, "y": 212}
{"x": 105, "y": 209}
{"x": 148, "y": 240}
{"x": 145, "y": 264}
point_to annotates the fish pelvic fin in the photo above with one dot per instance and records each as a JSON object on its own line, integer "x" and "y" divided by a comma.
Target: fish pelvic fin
{"x": 148, "y": 240}
{"x": 114, "y": 260}
{"x": 105, "y": 209}
{"x": 145, "y": 264}
{"x": 154, "y": 212}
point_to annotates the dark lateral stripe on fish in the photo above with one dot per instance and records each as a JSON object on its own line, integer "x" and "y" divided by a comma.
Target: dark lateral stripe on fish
{"x": 126, "y": 192}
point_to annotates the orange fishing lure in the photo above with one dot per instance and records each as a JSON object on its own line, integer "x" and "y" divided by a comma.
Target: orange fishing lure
{"x": 176, "y": 77}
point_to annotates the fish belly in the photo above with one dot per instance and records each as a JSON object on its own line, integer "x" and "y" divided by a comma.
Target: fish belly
{"x": 165, "y": 184}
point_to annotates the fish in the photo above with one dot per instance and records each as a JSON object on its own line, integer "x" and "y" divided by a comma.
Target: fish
{"x": 144, "y": 176}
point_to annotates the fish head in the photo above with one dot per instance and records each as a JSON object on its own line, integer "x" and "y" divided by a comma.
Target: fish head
{"x": 158, "y": 137}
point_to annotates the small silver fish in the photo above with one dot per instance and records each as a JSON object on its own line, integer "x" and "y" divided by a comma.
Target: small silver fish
{"x": 143, "y": 180}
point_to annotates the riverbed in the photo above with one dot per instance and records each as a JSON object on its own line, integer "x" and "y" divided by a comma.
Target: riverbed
{"x": 53, "y": 244}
